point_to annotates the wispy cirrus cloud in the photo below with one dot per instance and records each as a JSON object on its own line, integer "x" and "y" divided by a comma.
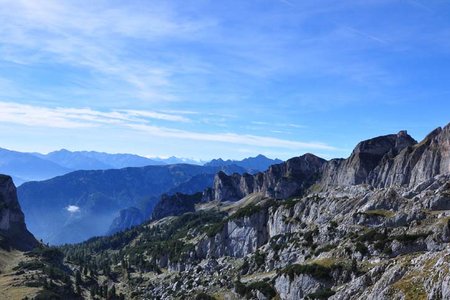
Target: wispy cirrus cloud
{"x": 98, "y": 39}
{"x": 61, "y": 117}
{"x": 155, "y": 115}
{"x": 232, "y": 138}
{"x": 79, "y": 118}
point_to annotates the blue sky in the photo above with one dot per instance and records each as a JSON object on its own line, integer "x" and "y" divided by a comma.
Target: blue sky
{"x": 206, "y": 79}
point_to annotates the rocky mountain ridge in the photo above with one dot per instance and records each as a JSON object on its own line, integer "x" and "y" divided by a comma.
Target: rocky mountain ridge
{"x": 293, "y": 233}
{"x": 279, "y": 181}
{"x": 391, "y": 160}
{"x": 353, "y": 242}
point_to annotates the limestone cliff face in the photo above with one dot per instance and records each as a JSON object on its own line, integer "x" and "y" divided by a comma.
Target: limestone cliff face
{"x": 297, "y": 288}
{"x": 175, "y": 205}
{"x": 292, "y": 177}
{"x": 13, "y": 231}
{"x": 292, "y": 232}
{"x": 416, "y": 163}
{"x": 238, "y": 237}
{"x": 392, "y": 160}
{"x": 385, "y": 161}
{"x": 279, "y": 181}
{"x": 229, "y": 187}
{"x": 127, "y": 218}
{"x": 365, "y": 158}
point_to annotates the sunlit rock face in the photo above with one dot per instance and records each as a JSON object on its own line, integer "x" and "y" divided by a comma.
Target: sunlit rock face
{"x": 365, "y": 160}
{"x": 392, "y": 160}
{"x": 13, "y": 230}
{"x": 280, "y": 181}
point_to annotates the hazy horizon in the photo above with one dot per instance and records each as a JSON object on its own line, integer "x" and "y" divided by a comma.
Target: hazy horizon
{"x": 201, "y": 160}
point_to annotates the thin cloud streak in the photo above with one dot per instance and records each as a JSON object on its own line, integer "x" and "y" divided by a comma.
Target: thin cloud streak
{"x": 75, "y": 118}
{"x": 366, "y": 35}
{"x": 241, "y": 139}
{"x": 37, "y": 32}
{"x": 156, "y": 115}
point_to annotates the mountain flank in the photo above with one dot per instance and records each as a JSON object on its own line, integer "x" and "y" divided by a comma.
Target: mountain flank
{"x": 378, "y": 229}
{"x": 82, "y": 204}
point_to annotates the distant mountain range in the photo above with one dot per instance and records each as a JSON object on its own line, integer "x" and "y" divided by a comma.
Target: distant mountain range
{"x": 83, "y": 204}
{"x": 71, "y": 196}
{"x": 23, "y": 166}
{"x": 91, "y": 160}
{"x": 27, "y": 167}
{"x": 256, "y": 164}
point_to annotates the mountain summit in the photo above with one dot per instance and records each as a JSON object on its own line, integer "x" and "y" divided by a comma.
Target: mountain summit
{"x": 393, "y": 160}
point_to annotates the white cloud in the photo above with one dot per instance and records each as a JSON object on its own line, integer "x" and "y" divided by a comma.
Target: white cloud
{"x": 73, "y": 209}
{"x": 231, "y": 138}
{"x": 97, "y": 38}
{"x": 156, "y": 115}
{"x": 30, "y": 115}
{"x": 70, "y": 118}
{"x": 38, "y": 116}
{"x": 260, "y": 123}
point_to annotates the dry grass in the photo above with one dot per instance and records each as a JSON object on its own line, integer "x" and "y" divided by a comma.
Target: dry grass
{"x": 11, "y": 284}
{"x": 411, "y": 287}
{"x": 258, "y": 276}
{"x": 380, "y": 212}
{"x": 231, "y": 208}
{"x": 324, "y": 262}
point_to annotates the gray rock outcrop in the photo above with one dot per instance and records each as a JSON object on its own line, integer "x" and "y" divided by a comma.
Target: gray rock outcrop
{"x": 127, "y": 218}
{"x": 175, "y": 205}
{"x": 13, "y": 231}
{"x": 280, "y": 181}
{"x": 392, "y": 160}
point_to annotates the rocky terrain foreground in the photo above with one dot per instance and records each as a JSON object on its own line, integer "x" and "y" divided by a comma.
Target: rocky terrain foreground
{"x": 373, "y": 226}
